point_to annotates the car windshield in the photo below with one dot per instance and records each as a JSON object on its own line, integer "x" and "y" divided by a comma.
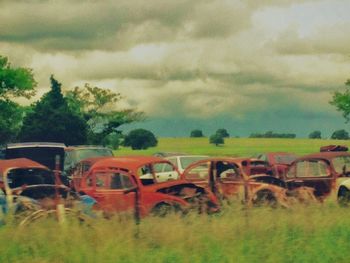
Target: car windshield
{"x": 285, "y": 159}
{"x": 188, "y": 160}
{"x": 82, "y": 154}
{"x": 19, "y": 177}
{"x": 341, "y": 163}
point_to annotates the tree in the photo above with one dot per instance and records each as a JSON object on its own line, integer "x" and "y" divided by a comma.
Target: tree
{"x": 340, "y": 135}
{"x": 216, "y": 139}
{"x": 98, "y": 107}
{"x": 196, "y": 133}
{"x": 223, "y": 133}
{"x": 52, "y": 120}
{"x": 140, "y": 139}
{"x": 342, "y": 101}
{"x": 315, "y": 135}
{"x": 14, "y": 83}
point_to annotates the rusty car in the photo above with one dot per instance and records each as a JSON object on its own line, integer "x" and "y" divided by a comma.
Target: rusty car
{"x": 325, "y": 173}
{"x": 130, "y": 184}
{"x": 31, "y": 190}
{"x": 234, "y": 178}
{"x": 46, "y": 153}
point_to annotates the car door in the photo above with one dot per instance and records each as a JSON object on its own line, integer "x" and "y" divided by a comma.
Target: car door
{"x": 229, "y": 180}
{"x": 114, "y": 191}
{"x": 314, "y": 173}
{"x": 198, "y": 173}
{"x": 165, "y": 172}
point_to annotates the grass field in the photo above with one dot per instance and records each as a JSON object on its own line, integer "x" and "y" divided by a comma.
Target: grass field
{"x": 319, "y": 233}
{"x": 233, "y": 146}
{"x": 314, "y": 233}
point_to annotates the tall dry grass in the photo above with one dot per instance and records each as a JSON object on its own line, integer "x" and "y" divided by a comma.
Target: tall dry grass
{"x": 317, "y": 233}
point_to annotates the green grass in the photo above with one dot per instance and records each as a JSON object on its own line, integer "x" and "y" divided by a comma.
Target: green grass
{"x": 232, "y": 146}
{"x": 319, "y": 233}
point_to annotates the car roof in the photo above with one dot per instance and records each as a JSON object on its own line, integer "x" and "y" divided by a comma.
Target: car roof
{"x": 324, "y": 155}
{"x": 126, "y": 162}
{"x": 19, "y": 163}
{"x": 35, "y": 144}
{"x": 74, "y": 147}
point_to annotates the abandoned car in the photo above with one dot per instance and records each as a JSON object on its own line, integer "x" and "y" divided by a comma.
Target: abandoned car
{"x": 131, "y": 184}
{"x": 326, "y": 173}
{"x": 46, "y": 154}
{"x": 31, "y": 190}
{"x": 231, "y": 178}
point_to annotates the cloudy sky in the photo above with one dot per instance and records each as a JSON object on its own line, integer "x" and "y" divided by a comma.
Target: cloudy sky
{"x": 248, "y": 66}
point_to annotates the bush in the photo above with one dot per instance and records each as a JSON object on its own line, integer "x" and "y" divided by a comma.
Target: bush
{"x": 315, "y": 135}
{"x": 223, "y": 133}
{"x": 196, "y": 133}
{"x": 340, "y": 135}
{"x": 216, "y": 139}
{"x": 140, "y": 139}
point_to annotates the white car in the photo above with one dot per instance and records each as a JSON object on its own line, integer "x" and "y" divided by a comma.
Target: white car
{"x": 183, "y": 161}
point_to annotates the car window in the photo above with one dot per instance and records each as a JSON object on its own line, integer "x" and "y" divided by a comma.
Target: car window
{"x": 199, "y": 172}
{"x": 285, "y": 159}
{"x": 145, "y": 174}
{"x": 227, "y": 171}
{"x": 341, "y": 164}
{"x": 120, "y": 181}
{"x": 168, "y": 168}
{"x": 186, "y": 161}
{"x": 312, "y": 168}
{"x": 291, "y": 172}
{"x": 101, "y": 180}
{"x": 158, "y": 167}
{"x": 173, "y": 161}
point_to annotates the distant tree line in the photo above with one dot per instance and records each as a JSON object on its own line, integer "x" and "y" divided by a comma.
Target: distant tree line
{"x": 271, "y": 134}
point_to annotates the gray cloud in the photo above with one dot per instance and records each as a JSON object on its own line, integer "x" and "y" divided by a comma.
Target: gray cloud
{"x": 196, "y": 59}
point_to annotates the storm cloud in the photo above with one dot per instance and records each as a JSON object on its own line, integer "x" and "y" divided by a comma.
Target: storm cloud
{"x": 196, "y": 60}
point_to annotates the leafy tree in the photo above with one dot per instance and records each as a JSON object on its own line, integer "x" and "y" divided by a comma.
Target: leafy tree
{"x": 14, "y": 82}
{"x": 140, "y": 139}
{"x": 196, "y": 133}
{"x": 216, "y": 139}
{"x": 52, "y": 120}
{"x": 340, "y": 135}
{"x": 315, "y": 135}
{"x": 341, "y": 100}
{"x": 223, "y": 133}
{"x": 98, "y": 107}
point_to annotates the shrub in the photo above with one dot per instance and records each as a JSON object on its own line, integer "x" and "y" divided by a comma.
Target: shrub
{"x": 315, "y": 135}
{"x": 340, "y": 135}
{"x": 223, "y": 133}
{"x": 216, "y": 139}
{"x": 196, "y": 133}
{"x": 140, "y": 139}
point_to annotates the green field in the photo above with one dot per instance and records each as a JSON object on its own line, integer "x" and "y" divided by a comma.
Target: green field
{"x": 319, "y": 233}
{"x": 233, "y": 146}
{"x": 313, "y": 233}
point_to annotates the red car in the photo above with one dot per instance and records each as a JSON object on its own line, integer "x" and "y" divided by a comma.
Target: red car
{"x": 278, "y": 162}
{"x": 231, "y": 178}
{"x": 326, "y": 174}
{"x": 130, "y": 184}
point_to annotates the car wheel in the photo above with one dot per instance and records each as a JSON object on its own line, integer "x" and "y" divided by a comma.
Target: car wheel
{"x": 164, "y": 209}
{"x": 265, "y": 198}
{"x": 344, "y": 197}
